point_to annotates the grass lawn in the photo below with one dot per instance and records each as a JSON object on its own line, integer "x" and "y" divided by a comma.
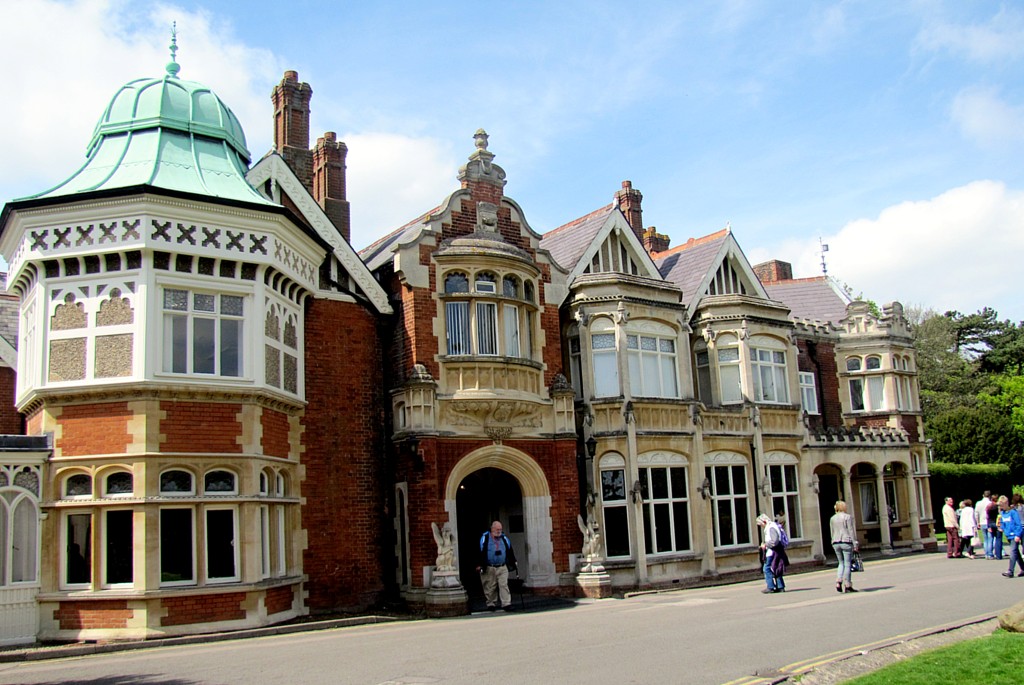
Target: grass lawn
{"x": 993, "y": 660}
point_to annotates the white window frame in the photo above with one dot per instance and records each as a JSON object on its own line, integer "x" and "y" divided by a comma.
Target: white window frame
{"x": 10, "y": 535}
{"x": 67, "y": 478}
{"x": 265, "y": 561}
{"x": 672, "y": 500}
{"x": 105, "y": 540}
{"x": 606, "y": 373}
{"x": 614, "y": 463}
{"x": 189, "y": 316}
{"x": 193, "y": 580}
{"x": 486, "y": 314}
{"x": 177, "y": 493}
{"x": 106, "y": 485}
{"x": 713, "y": 474}
{"x": 769, "y": 367}
{"x": 513, "y": 345}
{"x": 784, "y": 480}
{"x": 808, "y": 392}
{"x": 235, "y": 545}
{"x": 282, "y": 541}
{"x": 666, "y": 370}
{"x": 221, "y": 493}
{"x": 457, "y": 327}
{"x": 728, "y": 346}
{"x": 65, "y": 584}
{"x": 868, "y": 494}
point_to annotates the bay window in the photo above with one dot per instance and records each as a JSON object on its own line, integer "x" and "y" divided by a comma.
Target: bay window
{"x": 652, "y": 365}
{"x": 480, "y": 322}
{"x": 728, "y": 354}
{"x": 606, "y": 367}
{"x": 202, "y": 332}
{"x": 867, "y": 392}
{"x": 768, "y": 368}
{"x": 785, "y": 495}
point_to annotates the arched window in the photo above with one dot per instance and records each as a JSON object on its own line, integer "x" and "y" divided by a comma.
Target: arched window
{"x": 119, "y": 483}
{"x": 78, "y": 485}
{"x": 873, "y": 363}
{"x": 528, "y": 291}
{"x": 853, "y": 363}
{"x": 264, "y": 483}
{"x": 176, "y": 483}
{"x": 456, "y": 282}
{"x": 491, "y": 322}
{"x": 614, "y": 505}
{"x": 510, "y": 287}
{"x": 219, "y": 483}
{"x": 666, "y": 502}
{"x": 282, "y": 485}
{"x": 24, "y": 538}
{"x": 727, "y": 474}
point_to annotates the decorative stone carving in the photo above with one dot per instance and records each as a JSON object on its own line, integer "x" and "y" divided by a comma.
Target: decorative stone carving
{"x": 486, "y": 217}
{"x": 493, "y": 413}
{"x": 560, "y": 384}
{"x": 591, "y": 551}
{"x": 445, "y": 547}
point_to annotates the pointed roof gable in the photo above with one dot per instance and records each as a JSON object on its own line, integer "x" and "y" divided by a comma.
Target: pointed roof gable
{"x": 811, "y": 299}
{"x": 273, "y": 168}
{"x": 693, "y": 266}
{"x": 574, "y": 245}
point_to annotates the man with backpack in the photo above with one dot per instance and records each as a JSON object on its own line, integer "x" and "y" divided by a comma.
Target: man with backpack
{"x": 775, "y": 558}
{"x": 496, "y": 559}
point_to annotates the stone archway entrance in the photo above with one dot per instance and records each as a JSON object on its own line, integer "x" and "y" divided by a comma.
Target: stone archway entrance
{"x": 484, "y": 496}
{"x": 510, "y": 484}
{"x": 830, "y": 491}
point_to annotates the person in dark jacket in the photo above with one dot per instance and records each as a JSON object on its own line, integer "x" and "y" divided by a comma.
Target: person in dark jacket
{"x": 497, "y": 558}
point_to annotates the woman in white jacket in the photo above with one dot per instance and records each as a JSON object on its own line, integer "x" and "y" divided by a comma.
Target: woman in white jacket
{"x": 968, "y": 528}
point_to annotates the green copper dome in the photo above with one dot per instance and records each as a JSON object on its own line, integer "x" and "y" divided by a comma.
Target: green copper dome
{"x": 167, "y": 133}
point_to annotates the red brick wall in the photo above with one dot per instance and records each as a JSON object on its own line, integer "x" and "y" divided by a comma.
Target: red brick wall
{"x": 819, "y": 358}
{"x": 11, "y": 422}
{"x": 200, "y": 427}
{"x": 94, "y": 429}
{"x": 275, "y": 433}
{"x": 279, "y": 599}
{"x": 909, "y": 424}
{"x": 202, "y": 609}
{"x": 344, "y": 457}
{"x": 93, "y": 614}
{"x": 34, "y": 423}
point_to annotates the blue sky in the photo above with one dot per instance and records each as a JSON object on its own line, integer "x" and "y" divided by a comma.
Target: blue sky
{"x": 894, "y": 132}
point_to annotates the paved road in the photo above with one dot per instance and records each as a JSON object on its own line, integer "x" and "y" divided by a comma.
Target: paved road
{"x": 713, "y": 635}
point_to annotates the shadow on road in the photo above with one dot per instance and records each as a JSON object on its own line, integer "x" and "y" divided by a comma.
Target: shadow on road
{"x": 140, "y": 679}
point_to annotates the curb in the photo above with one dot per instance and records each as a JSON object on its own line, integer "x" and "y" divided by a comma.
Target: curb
{"x": 72, "y": 650}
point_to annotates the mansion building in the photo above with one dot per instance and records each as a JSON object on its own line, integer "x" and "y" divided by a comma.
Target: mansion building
{"x": 223, "y": 416}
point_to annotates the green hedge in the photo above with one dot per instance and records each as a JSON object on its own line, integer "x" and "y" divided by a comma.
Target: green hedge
{"x": 965, "y": 481}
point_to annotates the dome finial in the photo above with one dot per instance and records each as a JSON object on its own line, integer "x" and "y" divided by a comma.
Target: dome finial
{"x": 173, "y": 67}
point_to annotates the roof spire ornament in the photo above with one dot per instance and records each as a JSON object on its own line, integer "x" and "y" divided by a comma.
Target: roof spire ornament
{"x": 173, "y": 67}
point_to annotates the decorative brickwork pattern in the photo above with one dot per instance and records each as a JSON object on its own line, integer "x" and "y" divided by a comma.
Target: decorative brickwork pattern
{"x": 93, "y": 615}
{"x": 201, "y": 427}
{"x": 94, "y": 429}
{"x": 202, "y": 609}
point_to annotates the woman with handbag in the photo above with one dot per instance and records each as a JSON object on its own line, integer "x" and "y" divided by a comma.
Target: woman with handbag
{"x": 844, "y": 542}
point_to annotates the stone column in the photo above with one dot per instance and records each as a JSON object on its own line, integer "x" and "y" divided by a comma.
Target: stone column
{"x": 883, "y": 516}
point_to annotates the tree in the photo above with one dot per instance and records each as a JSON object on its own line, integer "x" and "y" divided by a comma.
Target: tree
{"x": 976, "y": 435}
{"x": 948, "y": 380}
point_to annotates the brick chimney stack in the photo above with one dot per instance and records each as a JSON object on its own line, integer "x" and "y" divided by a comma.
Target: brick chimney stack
{"x": 629, "y": 200}
{"x": 329, "y": 181}
{"x": 773, "y": 271}
{"x": 655, "y": 242}
{"x": 291, "y": 126}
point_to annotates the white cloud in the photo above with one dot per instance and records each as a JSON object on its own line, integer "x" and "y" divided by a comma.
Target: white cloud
{"x": 59, "y": 85}
{"x": 388, "y": 174}
{"x": 999, "y": 39}
{"x": 960, "y": 250}
{"x": 984, "y": 117}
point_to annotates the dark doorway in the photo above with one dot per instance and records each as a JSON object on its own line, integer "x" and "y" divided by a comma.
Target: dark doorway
{"x": 828, "y": 494}
{"x": 485, "y": 496}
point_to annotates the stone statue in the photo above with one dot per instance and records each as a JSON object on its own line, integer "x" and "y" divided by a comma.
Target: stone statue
{"x": 445, "y": 547}
{"x": 591, "y": 542}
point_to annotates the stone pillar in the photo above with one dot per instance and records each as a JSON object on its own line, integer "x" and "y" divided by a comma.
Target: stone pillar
{"x": 883, "y": 515}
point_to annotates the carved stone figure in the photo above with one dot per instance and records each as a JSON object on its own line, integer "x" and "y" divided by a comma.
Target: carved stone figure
{"x": 591, "y": 543}
{"x": 445, "y": 547}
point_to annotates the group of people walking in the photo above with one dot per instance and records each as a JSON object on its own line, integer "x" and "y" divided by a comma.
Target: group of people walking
{"x": 995, "y": 518}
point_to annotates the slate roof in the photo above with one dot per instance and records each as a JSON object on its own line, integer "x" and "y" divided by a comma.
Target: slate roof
{"x": 686, "y": 265}
{"x": 568, "y": 242}
{"x": 814, "y": 299}
{"x": 377, "y": 253}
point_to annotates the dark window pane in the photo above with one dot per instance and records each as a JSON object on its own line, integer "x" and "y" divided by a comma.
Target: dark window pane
{"x": 776, "y": 472}
{"x": 722, "y": 484}
{"x": 79, "y": 550}
{"x": 613, "y": 485}
{"x": 677, "y": 477}
{"x": 179, "y": 344}
{"x": 119, "y": 483}
{"x": 119, "y": 547}
{"x": 681, "y": 518}
{"x": 219, "y": 481}
{"x": 742, "y": 522}
{"x": 616, "y": 531}
{"x": 663, "y": 524}
{"x": 791, "y": 479}
{"x": 175, "y": 481}
{"x": 79, "y": 485}
{"x": 230, "y": 345}
{"x": 739, "y": 480}
{"x": 220, "y": 543}
{"x": 176, "y": 545}
{"x": 659, "y": 478}
{"x": 724, "y": 510}
{"x": 648, "y": 534}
